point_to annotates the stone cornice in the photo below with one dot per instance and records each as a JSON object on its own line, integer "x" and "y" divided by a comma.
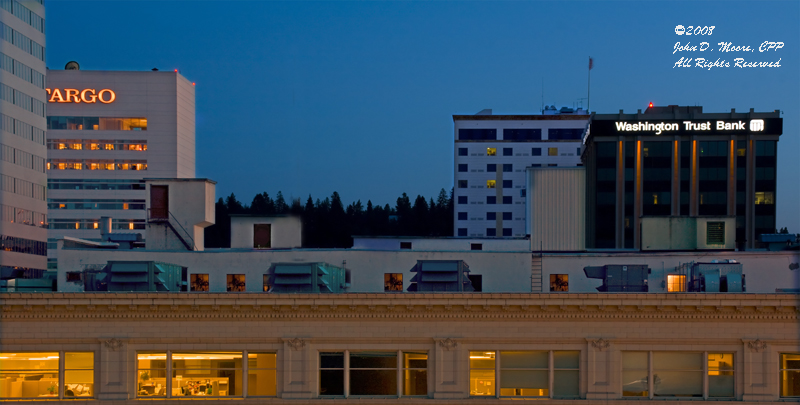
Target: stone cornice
{"x": 699, "y": 307}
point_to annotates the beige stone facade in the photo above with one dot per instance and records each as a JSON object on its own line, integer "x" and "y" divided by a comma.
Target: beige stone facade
{"x": 600, "y": 329}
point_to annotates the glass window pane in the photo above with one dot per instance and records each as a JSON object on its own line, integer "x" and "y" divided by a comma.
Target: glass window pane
{"x": 261, "y": 378}
{"x": 415, "y": 382}
{"x": 509, "y": 359}
{"x": 566, "y": 359}
{"x": 481, "y": 382}
{"x": 481, "y": 360}
{"x": 634, "y": 360}
{"x": 634, "y": 383}
{"x": 79, "y": 374}
{"x": 790, "y": 383}
{"x": 207, "y": 374}
{"x": 331, "y": 382}
{"x": 565, "y": 383}
{"x": 152, "y": 374}
{"x": 331, "y": 360}
{"x": 373, "y": 360}
{"x": 415, "y": 360}
{"x": 678, "y": 383}
{"x": 677, "y": 361}
{"x": 720, "y": 375}
{"x": 373, "y": 382}
{"x": 28, "y": 375}
{"x": 538, "y": 379}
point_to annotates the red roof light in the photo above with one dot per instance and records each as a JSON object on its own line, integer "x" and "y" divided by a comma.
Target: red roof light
{"x": 651, "y": 105}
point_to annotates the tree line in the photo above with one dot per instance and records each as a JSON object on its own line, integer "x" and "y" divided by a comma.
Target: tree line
{"x": 329, "y": 224}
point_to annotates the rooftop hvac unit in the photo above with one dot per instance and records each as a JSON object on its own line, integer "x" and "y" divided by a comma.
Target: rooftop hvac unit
{"x": 724, "y": 276}
{"x": 143, "y": 276}
{"x": 620, "y": 277}
{"x": 441, "y": 276}
{"x": 307, "y": 278}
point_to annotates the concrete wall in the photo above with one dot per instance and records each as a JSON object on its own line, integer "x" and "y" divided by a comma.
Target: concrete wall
{"x": 501, "y": 271}
{"x": 454, "y": 244}
{"x": 287, "y": 232}
{"x": 557, "y": 208}
{"x": 684, "y": 233}
{"x": 755, "y": 329}
{"x": 191, "y": 202}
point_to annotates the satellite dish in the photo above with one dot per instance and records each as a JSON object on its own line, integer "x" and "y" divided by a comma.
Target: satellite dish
{"x": 72, "y": 65}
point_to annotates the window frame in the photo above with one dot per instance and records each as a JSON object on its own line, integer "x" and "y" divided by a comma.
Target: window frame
{"x": 704, "y": 372}
{"x": 498, "y": 371}
{"x": 346, "y": 369}
{"x": 781, "y": 371}
{"x": 60, "y": 371}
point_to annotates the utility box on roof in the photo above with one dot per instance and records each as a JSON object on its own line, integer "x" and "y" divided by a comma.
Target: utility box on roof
{"x": 441, "y": 276}
{"x": 145, "y": 276}
{"x": 619, "y": 277}
{"x": 307, "y": 278}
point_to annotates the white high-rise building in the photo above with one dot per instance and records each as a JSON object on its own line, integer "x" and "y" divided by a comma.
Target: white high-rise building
{"x": 491, "y": 154}
{"x": 106, "y": 132}
{"x": 23, "y": 221}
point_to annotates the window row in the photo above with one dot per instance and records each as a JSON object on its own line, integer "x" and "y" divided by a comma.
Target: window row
{"x": 64, "y": 223}
{"x": 93, "y": 144}
{"x": 22, "y": 216}
{"x": 519, "y": 134}
{"x": 507, "y": 199}
{"x": 510, "y": 152}
{"x": 23, "y": 13}
{"x": 22, "y": 129}
{"x": 21, "y": 41}
{"x": 205, "y": 374}
{"x": 96, "y": 164}
{"x": 47, "y": 375}
{"x": 22, "y": 187}
{"x": 373, "y": 373}
{"x": 22, "y": 245}
{"x": 22, "y": 158}
{"x": 490, "y": 216}
{"x": 21, "y": 100}
{"x": 21, "y": 70}
{"x": 97, "y": 123}
{"x": 95, "y": 204}
{"x": 489, "y": 184}
{"x": 95, "y": 184}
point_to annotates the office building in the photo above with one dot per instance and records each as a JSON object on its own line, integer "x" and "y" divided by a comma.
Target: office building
{"x": 491, "y": 154}
{"x": 716, "y": 170}
{"x": 23, "y": 208}
{"x": 106, "y": 132}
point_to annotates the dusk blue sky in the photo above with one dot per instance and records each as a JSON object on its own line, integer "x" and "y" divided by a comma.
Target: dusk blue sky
{"x": 358, "y": 97}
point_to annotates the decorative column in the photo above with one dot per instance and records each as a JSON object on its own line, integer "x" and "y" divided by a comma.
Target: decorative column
{"x": 758, "y": 372}
{"x": 113, "y": 371}
{"x": 450, "y": 369}
{"x": 297, "y": 369}
{"x": 599, "y": 365}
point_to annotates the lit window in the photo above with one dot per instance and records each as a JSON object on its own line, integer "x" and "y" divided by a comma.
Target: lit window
{"x": 765, "y": 197}
{"x": 490, "y": 183}
{"x": 790, "y": 375}
{"x": 267, "y": 283}
{"x": 199, "y": 282}
{"x": 261, "y": 373}
{"x": 24, "y": 366}
{"x": 482, "y": 373}
{"x": 559, "y": 282}
{"x": 236, "y": 283}
{"x": 491, "y": 151}
{"x": 676, "y": 283}
{"x": 720, "y": 375}
{"x": 130, "y": 225}
{"x": 78, "y": 375}
{"x": 415, "y": 374}
{"x": 552, "y": 151}
{"x": 741, "y": 152}
{"x": 392, "y": 282}
{"x": 205, "y": 374}
{"x": 152, "y": 374}
{"x": 95, "y": 225}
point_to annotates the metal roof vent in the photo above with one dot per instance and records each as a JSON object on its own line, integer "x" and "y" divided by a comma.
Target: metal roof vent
{"x": 72, "y": 65}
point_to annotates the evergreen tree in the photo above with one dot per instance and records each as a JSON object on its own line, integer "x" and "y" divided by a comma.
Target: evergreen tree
{"x": 280, "y": 204}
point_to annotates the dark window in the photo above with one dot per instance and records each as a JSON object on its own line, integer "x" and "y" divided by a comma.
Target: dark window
{"x": 578, "y": 152}
{"x": 507, "y": 199}
{"x": 262, "y": 235}
{"x": 462, "y": 184}
{"x": 522, "y": 193}
{"x": 536, "y": 165}
{"x": 159, "y": 202}
{"x": 552, "y": 164}
{"x": 462, "y": 231}
{"x": 477, "y": 282}
{"x": 506, "y": 231}
{"x": 491, "y": 216}
{"x": 506, "y": 216}
{"x": 474, "y": 134}
{"x": 536, "y": 152}
{"x": 476, "y": 246}
{"x": 462, "y": 152}
{"x": 713, "y": 178}
{"x": 508, "y": 184}
{"x": 491, "y": 168}
{"x": 508, "y": 167}
{"x": 508, "y": 151}
{"x": 491, "y": 232}
{"x": 331, "y": 374}
{"x": 605, "y": 194}
{"x": 715, "y": 233}
{"x": 405, "y": 245}
{"x": 491, "y": 199}
{"x": 462, "y": 167}
{"x": 657, "y": 178}
{"x": 522, "y": 134}
{"x": 74, "y": 276}
{"x": 564, "y": 133}
{"x": 462, "y": 199}
{"x": 462, "y": 216}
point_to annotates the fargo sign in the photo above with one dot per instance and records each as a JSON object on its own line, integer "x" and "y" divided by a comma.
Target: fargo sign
{"x": 88, "y": 96}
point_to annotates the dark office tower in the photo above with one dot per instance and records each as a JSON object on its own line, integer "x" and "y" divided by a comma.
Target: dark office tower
{"x": 677, "y": 162}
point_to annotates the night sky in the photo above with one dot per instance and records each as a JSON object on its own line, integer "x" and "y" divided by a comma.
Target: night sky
{"x": 358, "y": 97}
